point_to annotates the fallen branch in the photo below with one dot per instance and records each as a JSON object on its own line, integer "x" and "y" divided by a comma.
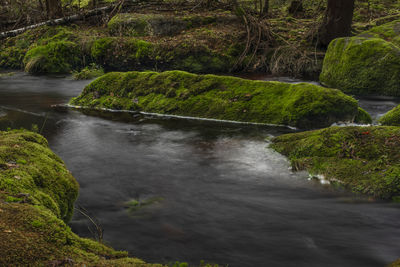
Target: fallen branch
{"x": 59, "y": 21}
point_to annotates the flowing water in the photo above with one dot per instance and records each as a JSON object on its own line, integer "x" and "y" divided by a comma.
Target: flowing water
{"x": 209, "y": 191}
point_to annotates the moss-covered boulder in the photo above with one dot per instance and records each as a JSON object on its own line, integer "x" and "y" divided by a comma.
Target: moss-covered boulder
{"x": 388, "y": 31}
{"x": 123, "y": 53}
{"x": 219, "y": 97}
{"x": 363, "y": 117}
{"x": 54, "y": 57}
{"x": 362, "y": 66}
{"x": 392, "y": 118}
{"x": 29, "y": 167}
{"x": 37, "y": 194}
{"x": 363, "y": 159}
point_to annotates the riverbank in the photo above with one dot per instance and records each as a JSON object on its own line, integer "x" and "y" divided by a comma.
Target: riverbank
{"x": 362, "y": 159}
{"x": 37, "y": 195}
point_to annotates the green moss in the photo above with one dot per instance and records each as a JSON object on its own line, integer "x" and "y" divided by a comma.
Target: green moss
{"x": 364, "y": 159}
{"x": 13, "y": 50}
{"x": 135, "y": 24}
{"x": 90, "y": 72}
{"x": 130, "y": 24}
{"x": 362, "y": 66}
{"x": 219, "y": 97}
{"x": 123, "y": 53}
{"x": 134, "y": 205}
{"x": 389, "y": 32}
{"x": 30, "y": 168}
{"x": 54, "y": 57}
{"x": 37, "y": 194}
{"x": 392, "y": 118}
{"x": 363, "y": 117}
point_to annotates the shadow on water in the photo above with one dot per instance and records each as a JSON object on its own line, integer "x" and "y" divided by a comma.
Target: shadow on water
{"x": 168, "y": 189}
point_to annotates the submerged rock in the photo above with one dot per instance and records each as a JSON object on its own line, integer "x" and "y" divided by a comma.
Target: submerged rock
{"x": 37, "y": 195}
{"x": 368, "y": 64}
{"x": 220, "y": 97}
{"x": 363, "y": 159}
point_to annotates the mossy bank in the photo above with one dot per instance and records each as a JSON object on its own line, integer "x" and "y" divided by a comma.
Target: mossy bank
{"x": 37, "y": 194}
{"x": 219, "y": 97}
{"x": 196, "y": 43}
{"x": 364, "y": 159}
{"x": 368, "y": 64}
{"x": 391, "y": 118}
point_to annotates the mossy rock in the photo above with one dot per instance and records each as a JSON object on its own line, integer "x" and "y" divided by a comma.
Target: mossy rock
{"x": 37, "y": 195}
{"x": 389, "y": 32}
{"x": 54, "y": 57}
{"x": 363, "y": 117}
{"x": 219, "y": 97}
{"x": 135, "y": 24}
{"x": 28, "y": 167}
{"x": 392, "y": 118}
{"x": 13, "y": 50}
{"x": 362, "y": 66}
{"x": 195, "y": 58}
{"x": 123, "y": 53}
{"x": 364, "y": 159}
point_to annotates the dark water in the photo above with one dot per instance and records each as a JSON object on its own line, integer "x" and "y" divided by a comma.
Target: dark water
{"x": 222, "y": 195}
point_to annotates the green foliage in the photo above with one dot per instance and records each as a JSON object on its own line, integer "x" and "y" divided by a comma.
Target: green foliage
{"x": 219, "y": 97}
{"x": 364, "y": 159}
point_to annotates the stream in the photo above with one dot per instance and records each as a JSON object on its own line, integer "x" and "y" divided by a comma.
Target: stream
{"x": 207, "y": 190}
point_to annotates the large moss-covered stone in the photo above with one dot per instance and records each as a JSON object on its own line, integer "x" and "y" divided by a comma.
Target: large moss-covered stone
{"x": 363, "y": 159}
{"x": 116, "y": 53}
{"x": 362, "y": 66}
{"x": 220, "y": 97}
{"x": 391, "y": 118}
{"x": 54, "y": 57}
{"x": 37, "y": 194}
{"x": 389, "y": 32}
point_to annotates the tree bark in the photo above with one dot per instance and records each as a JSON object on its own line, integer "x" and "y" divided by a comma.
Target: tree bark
{"x": 296, "y": 7}
{"x": 54, "y": 9}
{"x": 265, "y": 8}
{"x": 337, "y": 21}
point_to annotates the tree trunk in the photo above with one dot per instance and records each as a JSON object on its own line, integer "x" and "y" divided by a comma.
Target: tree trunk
{"x": 53, "y": 8}
{"x": 265, "y": 8}
{"x": 337, "y": 21}
{"x": 296, "y": 7}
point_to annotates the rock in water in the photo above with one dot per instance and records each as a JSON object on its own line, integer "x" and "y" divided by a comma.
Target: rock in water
{"x": 363, "y": 159}
{"x": 220, "y": 97}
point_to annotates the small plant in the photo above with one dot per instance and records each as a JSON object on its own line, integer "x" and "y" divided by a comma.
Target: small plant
{"x": 90, "y": 72}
